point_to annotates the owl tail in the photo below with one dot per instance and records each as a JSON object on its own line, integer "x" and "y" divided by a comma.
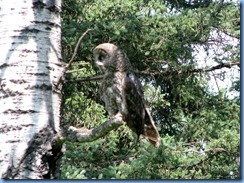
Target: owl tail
{"x": 150, "y": 130}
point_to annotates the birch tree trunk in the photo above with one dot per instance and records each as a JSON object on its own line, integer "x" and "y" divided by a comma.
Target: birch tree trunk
{"x": 30, "y": 66}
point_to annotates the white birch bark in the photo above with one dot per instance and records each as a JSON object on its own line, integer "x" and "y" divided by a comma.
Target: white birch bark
{"x": 30, "y": 66}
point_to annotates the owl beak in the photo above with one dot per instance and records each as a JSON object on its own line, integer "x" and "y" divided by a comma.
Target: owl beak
{"x": 98, "y": 63}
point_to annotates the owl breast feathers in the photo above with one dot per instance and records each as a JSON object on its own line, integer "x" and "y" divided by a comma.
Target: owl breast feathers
{"x": 122, "y": 92}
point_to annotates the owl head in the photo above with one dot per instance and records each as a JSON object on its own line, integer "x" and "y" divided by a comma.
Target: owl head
{"x": 109, "y": 58}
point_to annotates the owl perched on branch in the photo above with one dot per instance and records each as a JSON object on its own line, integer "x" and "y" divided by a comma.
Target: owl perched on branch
{"x": 122, "y": 92}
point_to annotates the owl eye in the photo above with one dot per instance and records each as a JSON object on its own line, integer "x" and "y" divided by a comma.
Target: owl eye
{"x": 101, "y": 57}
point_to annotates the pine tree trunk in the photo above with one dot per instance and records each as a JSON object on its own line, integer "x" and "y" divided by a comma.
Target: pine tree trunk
{"x": 30, "y": 67}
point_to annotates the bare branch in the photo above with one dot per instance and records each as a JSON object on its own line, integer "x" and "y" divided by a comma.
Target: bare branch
{"x": 200, "y": 70}
{"x": 89, "y": 135}
{"x": 76, "y": 47}
{"x": 92, "y": 78}
{"x": 62, "y": 78}
{"x": 220, "y": 66}
{"x": 164, "y": 72}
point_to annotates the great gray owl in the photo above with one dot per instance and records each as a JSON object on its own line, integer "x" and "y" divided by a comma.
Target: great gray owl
{"x": 122, "y": 92}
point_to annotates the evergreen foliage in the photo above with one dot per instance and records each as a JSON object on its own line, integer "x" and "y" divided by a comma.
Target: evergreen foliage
{"x": 199, "y": 128}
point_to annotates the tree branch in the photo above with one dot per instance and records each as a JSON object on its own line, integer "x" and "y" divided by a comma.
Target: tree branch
{"x": 89, "y": 135}
{"x": 62, "y": 78}
{"x": 200, "y": 70}
{"x": 92, "y": 78}
{"x": 76, "y": 48}
{"x": 164, "y": 72}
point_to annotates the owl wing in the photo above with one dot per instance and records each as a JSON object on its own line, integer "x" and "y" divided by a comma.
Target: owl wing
{"x": 133, "y": 103}
{"x": 137, "y": 116}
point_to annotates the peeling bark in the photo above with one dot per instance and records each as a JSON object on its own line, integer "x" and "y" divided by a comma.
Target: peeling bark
{"x": 30, "y": 66}
{"x": 39, "y": 160}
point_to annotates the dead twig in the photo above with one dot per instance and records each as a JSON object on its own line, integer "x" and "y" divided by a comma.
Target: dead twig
{"x": 62, "y": 78}
{"x": 76, "y": 48}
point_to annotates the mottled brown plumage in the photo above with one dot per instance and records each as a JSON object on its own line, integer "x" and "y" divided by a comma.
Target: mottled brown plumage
{"x": 122, "y": 92}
